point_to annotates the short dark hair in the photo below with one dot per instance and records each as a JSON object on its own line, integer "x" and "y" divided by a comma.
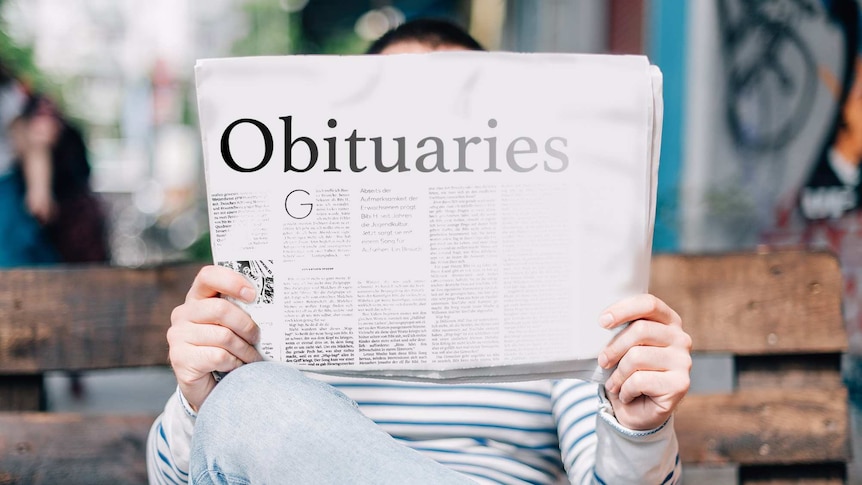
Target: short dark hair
{"x": 432, "y": 32}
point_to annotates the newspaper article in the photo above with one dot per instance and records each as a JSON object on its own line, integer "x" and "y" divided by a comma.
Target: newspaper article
{"x": 446, "y": 216}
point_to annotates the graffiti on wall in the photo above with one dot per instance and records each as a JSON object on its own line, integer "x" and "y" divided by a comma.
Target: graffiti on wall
{"x": 792, "y": 129}
{"x": 771, "y": 72}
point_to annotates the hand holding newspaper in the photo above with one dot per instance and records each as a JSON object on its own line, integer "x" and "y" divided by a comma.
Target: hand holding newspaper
{"x": 448, "y": 216}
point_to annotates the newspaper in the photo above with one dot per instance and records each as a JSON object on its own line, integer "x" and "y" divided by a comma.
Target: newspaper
{"x": 458, "y": 216}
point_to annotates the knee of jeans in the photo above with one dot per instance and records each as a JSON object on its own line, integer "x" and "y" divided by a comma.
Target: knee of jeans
{"x": 267, "y": 383}
{"x": 254, "y": 386}
{"x": 264, "y": 399}
{"x": 257, "y": 380}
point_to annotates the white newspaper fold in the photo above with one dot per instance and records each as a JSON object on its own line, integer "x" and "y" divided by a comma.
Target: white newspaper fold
{"x": 461, "y": 216}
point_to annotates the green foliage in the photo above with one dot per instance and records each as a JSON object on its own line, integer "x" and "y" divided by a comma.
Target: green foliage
{"x": 344, "y": 43}
{"x": 200, "y": 250}
{"x": 19, "y": 61}
{"x": 272, "y": 30}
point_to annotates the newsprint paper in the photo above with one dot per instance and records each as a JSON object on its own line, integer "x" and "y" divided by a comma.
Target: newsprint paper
{"x": 461, "y": 216}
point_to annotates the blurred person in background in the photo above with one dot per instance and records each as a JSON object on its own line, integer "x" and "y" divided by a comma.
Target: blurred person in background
{"x": 58, "y": 219}
{"x": 25, "y": 191}
{"x": 72, "y": 215}
{"x": 54, "y": 165}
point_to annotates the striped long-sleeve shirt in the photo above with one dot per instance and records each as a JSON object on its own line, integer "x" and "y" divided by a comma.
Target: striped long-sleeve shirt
{"x": 539, "y": 432}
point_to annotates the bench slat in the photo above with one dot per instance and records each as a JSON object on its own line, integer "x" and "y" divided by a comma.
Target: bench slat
{"x": 764, "y": 426}
{"x": 87, "y": 317}
{"x": 48, "y": 448}
{"x": 748, "y": 304}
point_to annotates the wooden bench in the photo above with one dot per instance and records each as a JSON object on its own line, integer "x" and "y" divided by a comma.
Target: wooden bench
{"x": 778, "y": 315}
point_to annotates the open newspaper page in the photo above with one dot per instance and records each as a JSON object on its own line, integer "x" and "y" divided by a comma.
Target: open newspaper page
{"x": 449, "y": 216}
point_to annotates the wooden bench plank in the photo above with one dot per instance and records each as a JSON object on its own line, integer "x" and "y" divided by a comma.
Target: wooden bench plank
{"x": 49, "y": 448}
{"x": 764, "y": 426}
{"x": 87, "y": 317}
{"x": 746, "y": 304}
{"x": 70, "y": 319}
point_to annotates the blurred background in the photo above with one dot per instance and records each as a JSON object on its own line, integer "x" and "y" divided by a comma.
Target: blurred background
{"x": 762, "y": 134}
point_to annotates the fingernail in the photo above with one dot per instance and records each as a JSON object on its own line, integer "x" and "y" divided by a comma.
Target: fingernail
{"x": 603, "y": 360}
{"x": 247, "y": 294}
{"x": 606, "y": 319}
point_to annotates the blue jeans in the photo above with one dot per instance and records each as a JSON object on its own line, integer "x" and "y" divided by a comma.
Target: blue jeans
{"x": 266, "y": 423}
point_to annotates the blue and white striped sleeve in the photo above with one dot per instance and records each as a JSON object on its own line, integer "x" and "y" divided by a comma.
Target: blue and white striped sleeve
{"x": 596, "y": 448}
{"x": 169, "y": 443}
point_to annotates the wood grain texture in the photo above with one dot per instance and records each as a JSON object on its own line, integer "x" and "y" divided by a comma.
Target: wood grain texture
{"x": 745, "y": 304}
{"x": 50, "y": 448}
{"x": 22, "y": 393}
{"x": 87, "y": 317}
{"x": 99, "y": 317}
{"x": 764, "y": 426}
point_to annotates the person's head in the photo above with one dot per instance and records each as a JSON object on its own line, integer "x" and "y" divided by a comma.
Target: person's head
{"x": 424, "y": 35}
{"x": 39, "y": 105}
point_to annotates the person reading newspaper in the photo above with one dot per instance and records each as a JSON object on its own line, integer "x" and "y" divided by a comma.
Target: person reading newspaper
{"x": 266, "y": 422}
